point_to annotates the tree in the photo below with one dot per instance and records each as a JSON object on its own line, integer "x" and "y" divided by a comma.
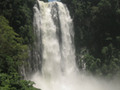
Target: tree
{"x": 12, "y": 54}
{"x": 12, "y": 51}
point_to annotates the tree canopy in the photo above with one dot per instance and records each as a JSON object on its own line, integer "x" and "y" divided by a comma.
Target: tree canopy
{"x": 15, "y": 37}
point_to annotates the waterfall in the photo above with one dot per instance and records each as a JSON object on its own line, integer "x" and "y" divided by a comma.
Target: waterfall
{"x": 54, "y": 46}
{"x": 52, "y": 62}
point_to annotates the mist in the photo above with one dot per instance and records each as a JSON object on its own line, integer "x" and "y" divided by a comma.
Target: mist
{"x": 75, "y": 81}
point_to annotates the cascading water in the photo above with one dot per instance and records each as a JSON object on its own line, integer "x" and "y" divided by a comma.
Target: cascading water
{"x": 53, "y": 63}
{"x": 53, "y": 29}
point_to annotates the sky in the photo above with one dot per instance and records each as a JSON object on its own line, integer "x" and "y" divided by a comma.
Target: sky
{"x": 53, "y": 0}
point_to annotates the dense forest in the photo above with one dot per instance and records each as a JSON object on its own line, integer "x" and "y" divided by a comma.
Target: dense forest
{"x": 16, "y": 35}
{"x": 97, "y": 35}
{"x": 97, "y": 38}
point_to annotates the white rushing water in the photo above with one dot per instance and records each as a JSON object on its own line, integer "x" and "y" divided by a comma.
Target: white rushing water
{"x": 53, "y": 61}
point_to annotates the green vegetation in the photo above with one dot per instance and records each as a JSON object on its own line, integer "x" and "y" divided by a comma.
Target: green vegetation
{"x": 97, "y": 38}
{"x": 15, "y": 35}
{"x": 12, "y": 54}
{"x": 13, "y": 82}
{"x": 12, "y": 51}
{"x": 20, "y": 15}
{"x": 97, "y": 25}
